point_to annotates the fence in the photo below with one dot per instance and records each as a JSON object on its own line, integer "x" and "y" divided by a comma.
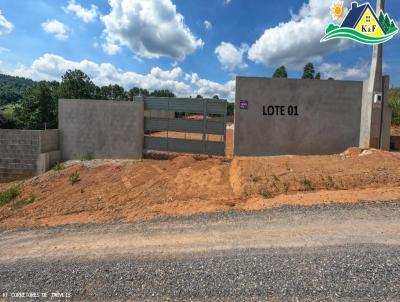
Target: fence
{"x": 198, "y": 125}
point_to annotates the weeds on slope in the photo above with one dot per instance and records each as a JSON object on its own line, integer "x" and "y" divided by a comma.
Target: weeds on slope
{"x": 9, "y": 195}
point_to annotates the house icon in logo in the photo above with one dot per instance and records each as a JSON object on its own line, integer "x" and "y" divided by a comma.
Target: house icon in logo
{"x": 363, "y": 25}
{"x": 363, "y": 19}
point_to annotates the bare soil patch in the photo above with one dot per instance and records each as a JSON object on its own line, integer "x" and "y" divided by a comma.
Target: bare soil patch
{"x": 124, "y": 191}
{"x": 198, "y": 136}
{"x": 395, "y": 130}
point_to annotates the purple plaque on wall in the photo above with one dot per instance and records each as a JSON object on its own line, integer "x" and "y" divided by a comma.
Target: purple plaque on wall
{"x": 244, "y": 104}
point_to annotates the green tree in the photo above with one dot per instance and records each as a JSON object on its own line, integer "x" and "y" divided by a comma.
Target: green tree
{"x": 111, "y": 92}
{"x": 75, "y": 84}
{"x": 309, "y": 71}
{"x": 215, "y": 97}
{"x": 38, "y": 107}
{"x": 7, "y": 122}
{"x": 318, "y": 76}
{"x": 230, "y": 109}
{"x": 163, "y": 93}
{"x": 280, "y": 72}
{"x": 138, "y": 92}
{"x": 199, "y": 96}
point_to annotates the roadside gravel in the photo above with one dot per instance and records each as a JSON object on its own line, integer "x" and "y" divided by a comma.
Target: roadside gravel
{"x": 321, "y": 253}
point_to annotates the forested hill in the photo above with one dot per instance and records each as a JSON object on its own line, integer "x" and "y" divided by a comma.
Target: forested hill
{"x": 12, "y": 88}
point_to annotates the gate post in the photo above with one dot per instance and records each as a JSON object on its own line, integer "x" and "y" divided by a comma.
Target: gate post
{"x": 204, "y": 125}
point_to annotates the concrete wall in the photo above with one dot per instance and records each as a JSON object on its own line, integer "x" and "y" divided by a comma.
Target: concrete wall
{"x": 108, "y": 129}
{"x": 395, "y": 143}
{"x": 328, "y": 118}
{"x": 376, "y": 118}
{"x": 25, "y": 153}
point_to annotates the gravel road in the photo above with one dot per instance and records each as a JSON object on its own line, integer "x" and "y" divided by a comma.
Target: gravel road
{"x": 321, "y": 253}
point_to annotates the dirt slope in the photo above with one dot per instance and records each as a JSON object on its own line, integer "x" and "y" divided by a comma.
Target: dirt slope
{"x": 353, "y": 169}
{"x": 123, "y": 190}
{"x": 111, "y": 191}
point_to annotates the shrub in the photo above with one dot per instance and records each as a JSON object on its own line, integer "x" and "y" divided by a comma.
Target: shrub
{"x": 9, "y": 195}
{"x": 74, "y": 178}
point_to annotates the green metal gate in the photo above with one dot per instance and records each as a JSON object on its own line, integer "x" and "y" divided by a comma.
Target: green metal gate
{"x": 167, "y": 117}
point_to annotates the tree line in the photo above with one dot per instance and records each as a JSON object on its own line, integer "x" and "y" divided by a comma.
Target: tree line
{"x": 13, "y": 88}
{"x": 37, "y": 107}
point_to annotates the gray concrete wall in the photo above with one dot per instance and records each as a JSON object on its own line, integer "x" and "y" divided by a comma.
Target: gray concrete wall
{"x": 24, "y": 153}
{"x": 386, "y": 118}
{"x": 376, "y": 118}
{"x": 395, "y": 143}
{"x": 328, "y": 118}
{"x": 108, "y": 129}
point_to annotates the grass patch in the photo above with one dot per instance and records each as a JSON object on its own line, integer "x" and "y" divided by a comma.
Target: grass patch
{"x": 88, "y": 156}
{"x": 23, "y": 202}
{"x": 58, "y": 167}
{"x": 9, "y": 195}
{"x": 74, "y": 178}
{"x": 266, "y": 194}
{"x": 307, "y": 184}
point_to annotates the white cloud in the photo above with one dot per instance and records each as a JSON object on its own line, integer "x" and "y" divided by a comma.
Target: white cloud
{"x": 5, "y": 25}
{"x": 297, "y": 41}
{"x": 231, "y": 57}
{"x": 208, "y": 88}
{"x": 51, "y": 67}
{"x": 3, "y": 49}
{"x": 338, "y": 72}
{"x": 227, "y": 1}
{"x": 173, "y": 74}
{"x": 207, "y": 25}
{"x": 150, "y": 29}
{"x": 86, "y": 15}
{"x": 60, "y": 30}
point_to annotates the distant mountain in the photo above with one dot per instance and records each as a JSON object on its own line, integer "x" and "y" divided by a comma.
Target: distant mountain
{"x": 12, "y": 88}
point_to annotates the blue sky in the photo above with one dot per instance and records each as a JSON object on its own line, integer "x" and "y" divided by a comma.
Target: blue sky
{"x": 190, "y": 47}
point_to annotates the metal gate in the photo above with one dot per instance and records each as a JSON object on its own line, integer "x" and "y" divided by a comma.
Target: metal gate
{"x": 185, "y": 125}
